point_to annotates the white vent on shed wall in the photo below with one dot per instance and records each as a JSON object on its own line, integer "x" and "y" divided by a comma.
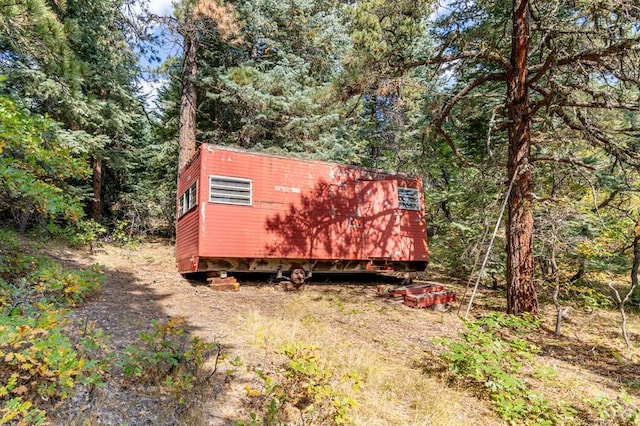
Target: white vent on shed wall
{"x": 230, "y": 190}
{"x": 408, "y": 198}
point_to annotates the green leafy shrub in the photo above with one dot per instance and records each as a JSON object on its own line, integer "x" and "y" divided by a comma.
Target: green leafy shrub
{"x": 589, "y": 296}
{"x": 167, "y": 355}
{"x": 84, "y": 233}
{"x": 42, "y": 362}
{"x": 490, "y": 355}
{"x": 65, "y": 286}
{"x": 121, "y": 233}
{"x": 29, "y": 282}
{"x": 309, "y": 386}
{"x": 15, "y": 261}
{"x": 619, "y": 411}
{"x": 37, "y": 169}
{"x": 39, "y": 357}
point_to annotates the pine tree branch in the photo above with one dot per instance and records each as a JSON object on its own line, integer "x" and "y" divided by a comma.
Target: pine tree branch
{"x": 596, "y": 136}
{"x": 547, "y": 97}
{"x": 444, "y": 113}
{"x": 546, "y": 66}
{"x": 562, "y": 160}
{"x": 594, "y": 55}
{"x": 606, "y": 201}
{"x": 486, "y": 55}
{"x": 602, "y": 105}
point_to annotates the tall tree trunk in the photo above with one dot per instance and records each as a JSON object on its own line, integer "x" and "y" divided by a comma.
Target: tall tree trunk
{"x": 96, "y": 205}
{"x": 187, "y": 136}
{"x": 521, "y": 290}
{"x": 635, "y": 287}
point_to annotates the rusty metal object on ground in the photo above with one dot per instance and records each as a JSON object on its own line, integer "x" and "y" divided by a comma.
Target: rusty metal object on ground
{"x": 419, "y": 296}
{"x": 429, "y": 299}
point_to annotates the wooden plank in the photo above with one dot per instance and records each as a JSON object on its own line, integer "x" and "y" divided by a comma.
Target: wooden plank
{"x": 415, "y": 290}
{"x": 223, "y": 284}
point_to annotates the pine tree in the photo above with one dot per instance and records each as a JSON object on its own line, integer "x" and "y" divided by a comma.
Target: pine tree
{"x": 550, "y": 71}
{"x": 73, "y": 61}
{"x": 197, "y": 19}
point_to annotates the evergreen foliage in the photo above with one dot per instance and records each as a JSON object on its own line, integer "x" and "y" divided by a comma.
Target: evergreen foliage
{"x": 274, "y": 89}
{"x": 74, "y": 62}
{"x": 38, "y": 171}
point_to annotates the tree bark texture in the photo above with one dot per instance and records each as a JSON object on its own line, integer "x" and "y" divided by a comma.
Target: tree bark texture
{"x": 187, "y": 135}
{"x": 96, "y": 204}
{"x": 635, "y": 286}
{"x": 521, "y": 290}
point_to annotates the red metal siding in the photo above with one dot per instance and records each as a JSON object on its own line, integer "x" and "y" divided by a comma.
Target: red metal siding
{"x": 187, "y": 225}
{"x": 390, "y": 232}
{"x": 412, "y": 226}
{"x": 299, "y": 210}
{"x": 305, "y": 209}
{"x": 290, "y": 212}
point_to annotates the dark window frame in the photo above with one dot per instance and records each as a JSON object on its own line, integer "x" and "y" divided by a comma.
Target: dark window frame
{"x": 189, "y": 199}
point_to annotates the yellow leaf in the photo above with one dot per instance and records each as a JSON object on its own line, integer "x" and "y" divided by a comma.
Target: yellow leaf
{"x": 9, "y": 357}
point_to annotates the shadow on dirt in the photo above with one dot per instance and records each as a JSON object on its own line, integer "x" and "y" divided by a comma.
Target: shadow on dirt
{"x": 317, "y": 279}
{"x": 123, "y": 308}
{"x": 598, "y": 359}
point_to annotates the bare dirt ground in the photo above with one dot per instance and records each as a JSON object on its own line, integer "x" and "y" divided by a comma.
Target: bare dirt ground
{"x": 142, "y": 285}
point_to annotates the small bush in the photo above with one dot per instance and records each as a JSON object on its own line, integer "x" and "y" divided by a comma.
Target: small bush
{"x": 619, "y": 411}
{"x": 39, "y": 358}
{"x": 65, "y": 286}
{"x": 490, "y": 355}
{"x": 308, "y": 386}
{"x": 85, "y": 233}
{"x": 41, "y": 362}
{"x": 168, "y": 356}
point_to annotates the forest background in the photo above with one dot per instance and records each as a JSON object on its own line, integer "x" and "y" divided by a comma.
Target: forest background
{"x": 436, "y": 90}
{"x": 529, "y": 105}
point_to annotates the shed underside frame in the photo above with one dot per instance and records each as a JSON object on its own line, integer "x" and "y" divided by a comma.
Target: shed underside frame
{"x": 273, "y": 265}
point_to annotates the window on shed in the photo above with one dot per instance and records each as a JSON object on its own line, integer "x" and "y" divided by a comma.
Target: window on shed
{"x": 230, "y": 190}
{"x": 189, "y": 198}
{"x": 408, "y": 198}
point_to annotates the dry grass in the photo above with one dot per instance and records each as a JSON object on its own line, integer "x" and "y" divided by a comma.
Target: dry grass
{"x": 390, "y": 347}
{"x": 394, "y": 390}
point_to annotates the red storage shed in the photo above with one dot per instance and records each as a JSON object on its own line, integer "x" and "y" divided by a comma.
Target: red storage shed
{"x": 242, "y": 211}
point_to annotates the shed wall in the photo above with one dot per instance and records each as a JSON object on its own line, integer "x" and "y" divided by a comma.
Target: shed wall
{"x": 187, "y": 233}
{"x": 299, "y": 209}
